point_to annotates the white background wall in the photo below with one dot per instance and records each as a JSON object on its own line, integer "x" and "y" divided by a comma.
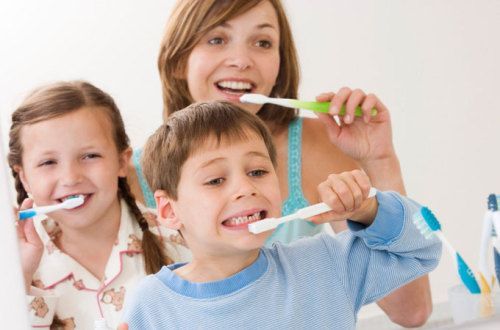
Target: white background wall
{"x": 434, "y": 63}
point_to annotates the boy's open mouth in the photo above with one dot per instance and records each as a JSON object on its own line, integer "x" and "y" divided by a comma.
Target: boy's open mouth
{"x": 234, "y": 87}
{"x": 243, "y": 221}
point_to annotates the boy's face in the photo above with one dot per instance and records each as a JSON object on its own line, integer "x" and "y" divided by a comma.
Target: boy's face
{"x": 221, "y": 190}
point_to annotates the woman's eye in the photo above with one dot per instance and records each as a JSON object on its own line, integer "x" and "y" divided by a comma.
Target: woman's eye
{"x": 264, "y": 44}
{"x": 216, "y": 41}
{"x": 258, "y": 173}
{"x": 215, "y": 182}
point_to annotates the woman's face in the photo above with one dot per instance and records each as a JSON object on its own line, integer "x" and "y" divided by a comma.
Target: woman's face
{"x": 237, "y": 57}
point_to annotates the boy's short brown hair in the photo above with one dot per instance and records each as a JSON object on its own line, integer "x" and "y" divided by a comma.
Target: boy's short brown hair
{"x": 184, "y": 131}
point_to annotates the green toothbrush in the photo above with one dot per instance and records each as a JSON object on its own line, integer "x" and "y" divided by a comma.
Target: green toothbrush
{"x": 296, "y": 104}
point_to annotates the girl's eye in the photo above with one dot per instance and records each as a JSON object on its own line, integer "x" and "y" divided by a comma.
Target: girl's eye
{"x": 216, "y": 41}
{"x": 215, "y": 182}
{"x": 258, "y": 173}
{"x": 264, "y": 44}
{"x": 91, "y": 156}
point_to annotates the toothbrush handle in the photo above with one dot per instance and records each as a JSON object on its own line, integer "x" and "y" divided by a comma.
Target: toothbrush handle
{"x": 325, "y": 106}
{"x": 26, "y": 214}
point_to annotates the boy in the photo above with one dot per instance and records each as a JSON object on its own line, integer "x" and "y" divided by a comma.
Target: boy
{"x": 212, "y": 167}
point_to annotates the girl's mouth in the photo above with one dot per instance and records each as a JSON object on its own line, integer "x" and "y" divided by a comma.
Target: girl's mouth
{"x": 86, "y": 197}
{"x": 243, "y": 221}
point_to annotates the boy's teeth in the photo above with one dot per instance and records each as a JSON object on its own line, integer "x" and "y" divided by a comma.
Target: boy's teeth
{"x": 246, "y": 219}
{"x": 237, "y": 85}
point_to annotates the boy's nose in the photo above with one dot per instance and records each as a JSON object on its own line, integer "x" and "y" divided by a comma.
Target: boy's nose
{"x": 245, "y": 188}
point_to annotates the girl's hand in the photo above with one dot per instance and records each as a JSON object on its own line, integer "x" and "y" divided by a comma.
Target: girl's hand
{"x": 347, "y": 194}
{"x": 31, "y": 246}
{"x": 365, "y": 139}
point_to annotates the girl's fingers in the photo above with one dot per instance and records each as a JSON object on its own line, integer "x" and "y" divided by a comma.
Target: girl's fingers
{"x": 355, "y": 99}
{"x": 26, "y": 204}
{"x": 31, "y": 234}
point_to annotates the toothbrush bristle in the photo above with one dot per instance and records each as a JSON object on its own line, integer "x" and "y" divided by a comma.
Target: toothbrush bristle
{"x": 73, "y": 201}
{"x": 253, "y": 98}
{"x": 492, "y": 202}
{"x": 426, "y": 222}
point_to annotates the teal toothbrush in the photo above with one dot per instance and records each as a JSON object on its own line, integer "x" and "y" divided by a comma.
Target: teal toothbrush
{"x": 296, "y": 104}
{"x": 429, "y": 226}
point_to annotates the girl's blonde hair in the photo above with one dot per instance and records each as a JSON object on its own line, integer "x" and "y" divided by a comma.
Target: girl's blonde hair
{"x": 189, "y": 21}
{"x": 62, "y": 98}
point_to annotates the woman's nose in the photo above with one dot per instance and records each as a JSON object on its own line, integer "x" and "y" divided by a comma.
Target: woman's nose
{"x": 239, "y": 57}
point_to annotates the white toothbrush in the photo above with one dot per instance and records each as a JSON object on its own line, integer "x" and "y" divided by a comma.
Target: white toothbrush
{"x": 304, "y": 213}
{"x": 70, "y": 203}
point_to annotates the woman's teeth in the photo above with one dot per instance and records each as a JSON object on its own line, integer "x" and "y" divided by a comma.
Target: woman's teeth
{"x": 242, "y": 220}
{"x": 235, "y": 86}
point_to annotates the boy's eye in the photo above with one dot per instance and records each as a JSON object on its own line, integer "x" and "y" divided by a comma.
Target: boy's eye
{"x": 215, "y": 182}
{"x": 47, "y": 163}
{"x": 264, "y": 44}
{"x": 258, "y": 173}
{"x": 216, "y": 41}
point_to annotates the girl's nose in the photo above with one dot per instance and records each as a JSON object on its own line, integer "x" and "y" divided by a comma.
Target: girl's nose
{"x": 71, "y": 175}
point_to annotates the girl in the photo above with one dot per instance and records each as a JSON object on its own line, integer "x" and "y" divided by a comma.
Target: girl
{"x": 218, "y": 50}
{"x": 69, "y": 139}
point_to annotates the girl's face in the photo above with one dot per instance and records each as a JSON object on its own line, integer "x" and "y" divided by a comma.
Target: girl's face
{"x": 239, "y": 56}
{"x": 74, "y": 155}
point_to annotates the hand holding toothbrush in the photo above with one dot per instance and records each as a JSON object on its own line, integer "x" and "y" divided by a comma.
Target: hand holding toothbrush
{"x": 345, "y": 195}
{"x": 363, "y": 139}
{"x": 367, "y": 140}
{"x": 30, "y": 245}
{"x": 348, "y": 194}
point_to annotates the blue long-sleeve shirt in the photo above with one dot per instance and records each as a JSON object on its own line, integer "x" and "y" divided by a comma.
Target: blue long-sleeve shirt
{"x": 315, "y": 282}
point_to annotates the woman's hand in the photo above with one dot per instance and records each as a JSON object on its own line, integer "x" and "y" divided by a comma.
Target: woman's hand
{"x": 347, "y": 195}
{"x": 365, "y": 139}
{"x": 31, "y": 246}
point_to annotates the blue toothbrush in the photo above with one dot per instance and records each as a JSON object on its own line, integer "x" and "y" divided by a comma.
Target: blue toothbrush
{"x": 495, "y": 219}
{"x": 429, "y": 226}
{"x": 69, "y": 203}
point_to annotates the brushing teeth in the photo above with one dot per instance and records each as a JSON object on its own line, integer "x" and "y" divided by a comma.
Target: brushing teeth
{"x": 243, "y": 220}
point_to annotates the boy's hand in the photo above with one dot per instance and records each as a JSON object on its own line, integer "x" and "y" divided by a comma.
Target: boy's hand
{"x": 30, "y": 244}
{"x": 347, "y": 194}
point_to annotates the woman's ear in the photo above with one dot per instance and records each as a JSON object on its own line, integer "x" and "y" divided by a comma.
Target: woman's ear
{"x": 165, "y": 210}
{"x": 124, "y": 159}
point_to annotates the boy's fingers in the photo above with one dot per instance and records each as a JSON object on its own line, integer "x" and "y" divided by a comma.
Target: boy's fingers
{"x": 363, "y": 182}
{"x": 356, "y": 192}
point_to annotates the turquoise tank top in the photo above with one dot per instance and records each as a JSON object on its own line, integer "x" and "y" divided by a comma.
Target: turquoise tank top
{"x": 288, "y": 231}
